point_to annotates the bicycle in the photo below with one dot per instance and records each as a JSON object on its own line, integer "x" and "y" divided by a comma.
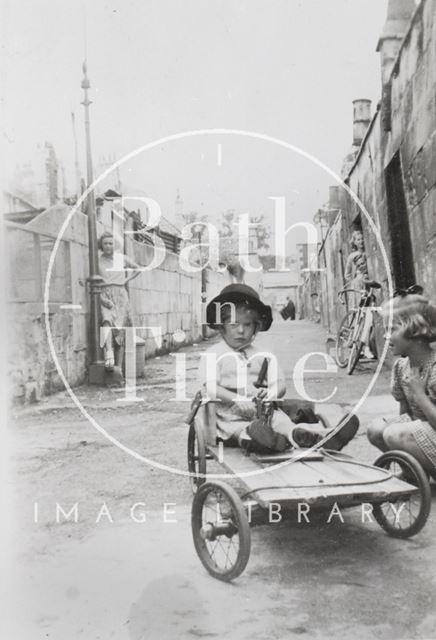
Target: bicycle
{"x": 356, "y": 328}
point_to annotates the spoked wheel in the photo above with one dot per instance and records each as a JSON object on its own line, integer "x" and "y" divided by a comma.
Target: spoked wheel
{"x": 344, "y": 338}
{"x": 356, "y": 347}
{"x": 406, "y": 516}
{"x": 220, "y": 530}
{"x": 196, "y": 456}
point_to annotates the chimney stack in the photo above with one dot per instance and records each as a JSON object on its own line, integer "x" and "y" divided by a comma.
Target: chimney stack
{"x": 334, "y": 199}
{"x": 361, "y": 119}
{"x": 398, "y": 19}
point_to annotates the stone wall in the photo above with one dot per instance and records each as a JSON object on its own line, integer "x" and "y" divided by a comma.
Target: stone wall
{"x": 169, "y": 297}
{"x": 410, "y": 141}
{"x": 31, "y": 368}
{"x": 165, "y": 297}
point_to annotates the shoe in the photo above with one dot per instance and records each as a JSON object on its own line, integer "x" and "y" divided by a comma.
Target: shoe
{"x": 346, "y": 433}
{"x": 261, "y": 432}
{"x": 305, "y": 439}
{"x": 109, "y": 360}
{"x": 264, "y": 439}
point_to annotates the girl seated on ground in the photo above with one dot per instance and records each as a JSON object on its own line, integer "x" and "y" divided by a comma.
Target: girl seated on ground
{"x": 239, "y": 314}
{"x": 413, "y": 381}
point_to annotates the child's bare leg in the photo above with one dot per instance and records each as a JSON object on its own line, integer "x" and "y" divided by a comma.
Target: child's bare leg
{"x": 281, "y": 423}
{"x": 108, "y": 345}
{"x": 119, "y": 355}
{"x": 375, "y": 433}
{"x": 106, "y": 334}
{"x": 400, "y": 436}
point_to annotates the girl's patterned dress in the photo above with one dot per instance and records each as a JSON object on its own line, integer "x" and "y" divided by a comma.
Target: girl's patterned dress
{"x": 424, "y": 433}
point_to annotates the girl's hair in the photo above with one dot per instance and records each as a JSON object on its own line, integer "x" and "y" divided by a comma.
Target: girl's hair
{"x": 352, "y": 242}
{"x": 228, "y": 312}
{"x": 415, "y": 313}
{"x": 105, "y": 234}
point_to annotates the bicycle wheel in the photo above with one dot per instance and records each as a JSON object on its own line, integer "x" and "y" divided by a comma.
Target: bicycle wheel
{"x": 196, "y": 456}
{"x": 356, "y": 347}
{"x": 344, "y": 338}
{"x": 406, "y": 516}
{"x": 220, "y": 530}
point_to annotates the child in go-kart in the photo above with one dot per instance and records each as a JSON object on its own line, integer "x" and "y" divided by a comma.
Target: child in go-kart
{"x": 413, "y": 381}
{"x": 230, "y": 374}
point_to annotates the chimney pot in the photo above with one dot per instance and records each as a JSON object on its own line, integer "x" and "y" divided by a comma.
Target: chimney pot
{"x": 398, "y": 18}
{"x": 361, "y": 119}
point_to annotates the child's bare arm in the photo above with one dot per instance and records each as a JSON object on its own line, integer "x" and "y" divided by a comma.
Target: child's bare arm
{"x": 427, "y": 407}
{"x": 422, "y": 400}
{"x": 403, "y": 407}
{"x": 231, "y": 397}
{"x": 224, "y": 394}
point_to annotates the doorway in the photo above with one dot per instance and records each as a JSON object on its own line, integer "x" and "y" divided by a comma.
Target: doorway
{"x": 398, "y": 224}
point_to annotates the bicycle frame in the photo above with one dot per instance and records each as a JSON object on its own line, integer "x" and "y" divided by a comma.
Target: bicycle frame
{"x": 366, "y": 307}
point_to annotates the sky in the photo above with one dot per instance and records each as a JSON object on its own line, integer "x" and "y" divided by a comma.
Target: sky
{"x": 287, "y": 69}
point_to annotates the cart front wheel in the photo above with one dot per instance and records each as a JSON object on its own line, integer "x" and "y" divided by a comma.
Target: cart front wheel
{"x": 196, "y": 456}
{"x": 407, "y": 515}
{"x": 220, "y": 530}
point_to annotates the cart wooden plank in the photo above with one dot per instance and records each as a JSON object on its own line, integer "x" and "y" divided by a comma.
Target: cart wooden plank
{"x": 288, "y": 497}
{"x": 325, "y": 479}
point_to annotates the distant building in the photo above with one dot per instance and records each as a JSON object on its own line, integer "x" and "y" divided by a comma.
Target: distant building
{"x": 41, "y": 179}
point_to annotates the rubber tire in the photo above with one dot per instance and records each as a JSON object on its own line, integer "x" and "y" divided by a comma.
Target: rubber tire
{"x": 356, "y": 348}
{"x": 241, "y": 521}
{"x": 198, "y": 473}
{"x": 350, "y": 315}
{"x": 423, "y": 485}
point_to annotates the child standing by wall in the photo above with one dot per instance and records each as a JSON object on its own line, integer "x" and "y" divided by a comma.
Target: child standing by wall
{"x": 413, "y": 382}
{"x": 114, "y": 301}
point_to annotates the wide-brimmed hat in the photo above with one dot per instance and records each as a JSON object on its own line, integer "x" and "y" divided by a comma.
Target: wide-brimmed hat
{"x": 239, "y": 294}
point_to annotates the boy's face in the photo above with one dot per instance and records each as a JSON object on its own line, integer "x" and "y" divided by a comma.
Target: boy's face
{"x": 399, "y": 343}
{"x": 241, "y": 333}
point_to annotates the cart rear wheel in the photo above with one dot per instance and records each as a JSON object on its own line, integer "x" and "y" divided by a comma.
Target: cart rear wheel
{"x": 196, "y": 456}
{"x": 344, "y": 338}
{"x": 406, "y": 516}
{"x": 220, "y": 530}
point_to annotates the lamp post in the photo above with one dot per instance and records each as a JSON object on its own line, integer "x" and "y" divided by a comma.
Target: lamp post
{"x": 198, "y": 230}
{"x": 321, "y": 218}
{"x": 96, "y": 365}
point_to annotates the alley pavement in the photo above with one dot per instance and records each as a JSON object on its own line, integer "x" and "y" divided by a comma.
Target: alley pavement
{"x": 110, "y": 576}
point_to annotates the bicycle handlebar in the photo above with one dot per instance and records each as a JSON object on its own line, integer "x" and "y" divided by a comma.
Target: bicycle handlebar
{"x": 369, "y": 284}
{"x": 341, "y": 293}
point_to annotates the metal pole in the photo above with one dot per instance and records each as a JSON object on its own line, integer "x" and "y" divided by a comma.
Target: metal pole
{"x": 96, "y": 368}
{"x": 203, "y": 279}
